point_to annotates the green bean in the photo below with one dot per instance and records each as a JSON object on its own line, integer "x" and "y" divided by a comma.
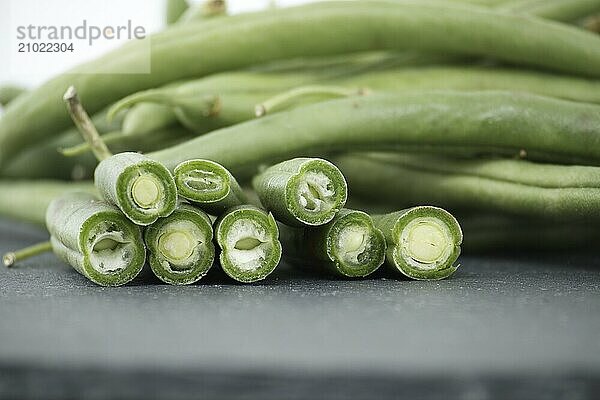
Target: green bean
{"x": 27, "y": 200}
{"x": 249, "y": 241}
{"x": 95, "y": 239}
{"x": 175, "y": 9}
{"x": 148, "y": 118}
{"x": 348, "y": 26}
{"x": 492, "y": 122}
{"x": 142, "y": 188}
{"x": 558, "y": 10}
{"x": 302, "y": 191}
{"x": 349, "y": 245}
{"x": 201, "y": 105}
{"x": 514, "y": 187}
{"x": 180, "y": 246}
{"x": 423, "y": 242}
{"x": 208, "y": 185}
{"x": 8, "y": 93}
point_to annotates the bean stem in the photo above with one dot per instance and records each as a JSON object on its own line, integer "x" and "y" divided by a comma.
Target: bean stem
{"x": 85, "y": 125}
{"x": 10, "y": 258}
{"x": 283, "y": 100}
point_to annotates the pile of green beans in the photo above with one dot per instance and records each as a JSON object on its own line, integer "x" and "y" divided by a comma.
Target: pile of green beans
{"x": 339, "y": 137}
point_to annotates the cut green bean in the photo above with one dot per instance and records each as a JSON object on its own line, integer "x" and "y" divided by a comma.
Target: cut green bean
{"x": 517, "y": 187}
{"x": 180, "y": 246}
{"x": 449, "y": 122}
{"x": 143, "y": 189}
{"x": 349, "y": 245}
{"x": 423, "y": 242}
{"x": 349, "y": 27}
{"x": 95, "y": 239}
{"x": 302, "y": 191}
{"x": 249, "y": 241}
{"x": 208, "y": 185}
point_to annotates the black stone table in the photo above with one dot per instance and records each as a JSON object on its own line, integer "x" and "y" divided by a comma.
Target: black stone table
{"x": 518, "y": 326}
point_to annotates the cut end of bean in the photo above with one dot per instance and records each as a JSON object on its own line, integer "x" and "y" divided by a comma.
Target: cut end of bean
{"x": 9, "y": 259}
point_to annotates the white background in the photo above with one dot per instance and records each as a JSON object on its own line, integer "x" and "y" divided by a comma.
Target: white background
{"x": 40, "y": 67}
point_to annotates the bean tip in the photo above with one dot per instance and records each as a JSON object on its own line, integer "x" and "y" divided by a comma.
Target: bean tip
{"x": 260, "y": 110}
{"x": 9, "y": 259}
{"x": 70, "y": 94}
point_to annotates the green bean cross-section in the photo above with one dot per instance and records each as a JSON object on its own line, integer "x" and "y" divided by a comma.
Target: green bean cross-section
{"x": 95, "y": 238}
{"x": 423, "y": 242}
{"x": 249, "y": 242}
{"x": 349, "y": 245}
{"x": 302, "y": 191}
{"x": 208, "y": 185}
{"x": 180, "y": 246}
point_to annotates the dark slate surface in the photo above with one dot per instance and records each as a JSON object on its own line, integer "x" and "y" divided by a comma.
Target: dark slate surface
{"x": 520, "y": 326}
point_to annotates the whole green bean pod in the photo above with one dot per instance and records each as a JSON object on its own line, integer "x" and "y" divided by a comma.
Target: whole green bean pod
{"x": 95, "y": 238}
{"x": 348, "y": 26}
{"x": 302, "y": 191}
{"x": 514, "y": 187}
{"x": 208, "y": 185}
{"x": 423, "y": 242}
{"x": 27, "y": 200}
{"x": 180, "y": 246}
{"x": 349, "y": 245}
{"x": 249, "y": 241}
{"x": 482, "y": 122}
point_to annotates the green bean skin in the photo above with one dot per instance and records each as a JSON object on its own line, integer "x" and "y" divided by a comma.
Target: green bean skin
{"x": 95, "y": 238}
{"x": 249, "y": 241}
{"x": 208, "y": 185}
{"x": 180, "y": 246}
{"x": 516, "y": 187}
{"x": 482, "y": 122}
{"x": 27, "y": 200}
{"x": 148, "y": 118}
{"x": 8, "y": 93}
{"x": 423, "y": 243}
{"x": 558, "y": 10}
{"x": 302, "y": 191}
{"x": 175, "y": 9}
{"x": 349, "y": 27}
{"x": 334, "y": 247}
{"x": 143, "y": 189}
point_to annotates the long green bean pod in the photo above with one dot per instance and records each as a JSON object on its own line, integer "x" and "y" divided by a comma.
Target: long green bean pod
{"x": 349, "y": 245}
{"x": 514, "y": 187}
{"x": 27, "y": 200}
{"x": 450, "y": 122}
{"x": 302, "y": 191}
{"x": 8, "y": 93}
{"x": 208, "y": 185}
{"x": 95, "y": 239}
{"x": 148, "y": 118}
{"x": 299, "y": 31}
{"x": 422, "y": 242}
{"x": 180, "y": 246}
{"x": 249, "y": 241}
